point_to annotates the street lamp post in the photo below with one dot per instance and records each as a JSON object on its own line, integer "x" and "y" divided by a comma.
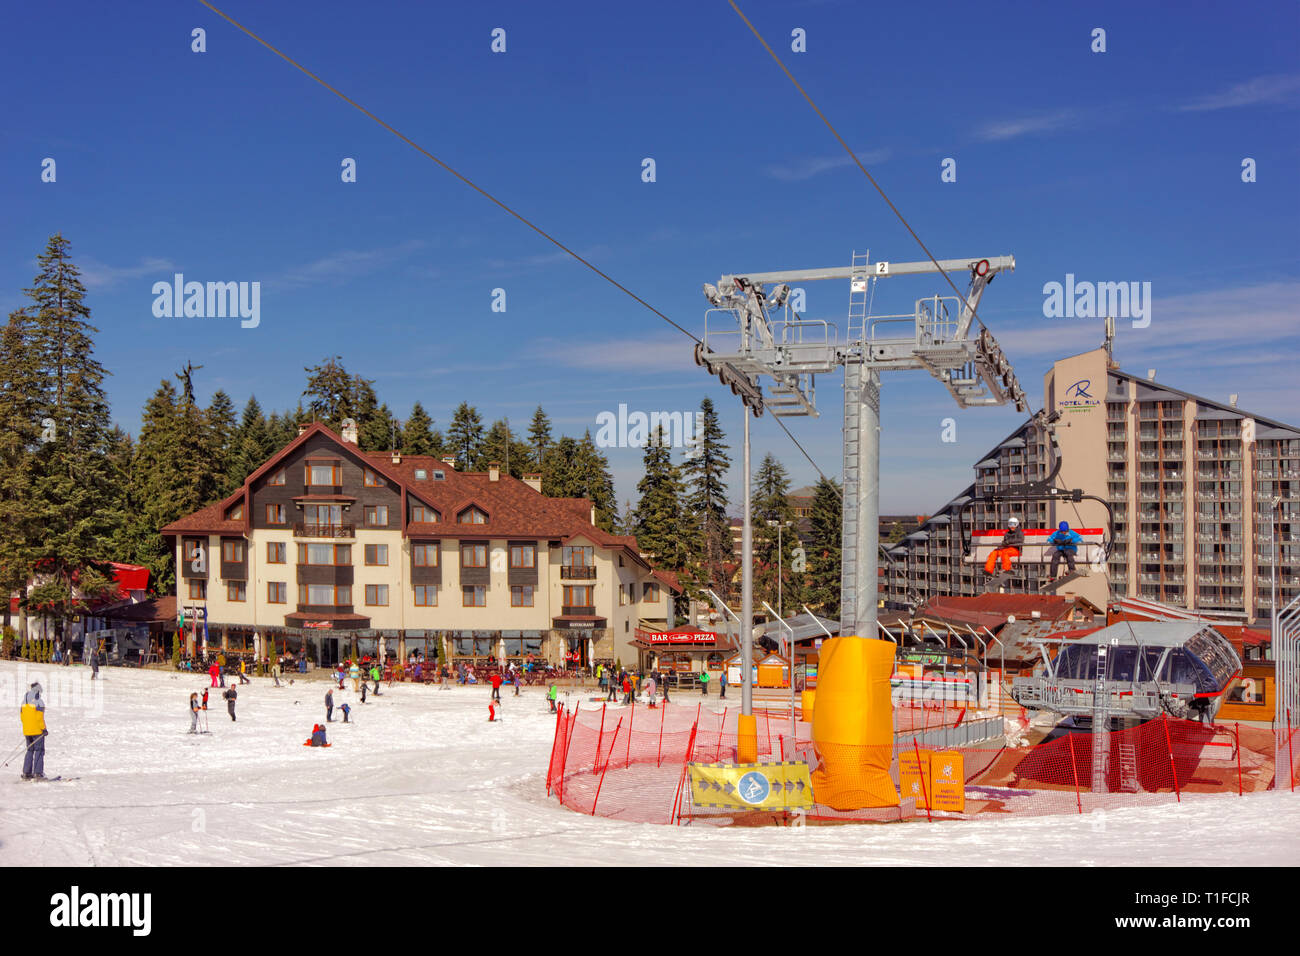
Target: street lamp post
{"x": 780, "y": 555}
{"x": 1272, "y": 536}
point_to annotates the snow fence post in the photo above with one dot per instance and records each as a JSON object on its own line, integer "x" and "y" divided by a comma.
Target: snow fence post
{"x": 920, "y": 772}
{"x": 572, "y": 721}
{"x": 1074, "y": 770}
{"x": 627, "y": 761}
{"x": 555, "y": 741}
{"x": 660, "y": 752}
{"x": 675, "y": 815}
{"x": 722, "y": 729}
{"x": 1290, "y": 753}
{"x": 1164, "y": 722}
{"x": 1237, "y": 733}
{"x": 605, "y": 770}
{"x": 595, "y": 763}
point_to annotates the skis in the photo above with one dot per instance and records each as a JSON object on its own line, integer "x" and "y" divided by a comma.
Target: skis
{"x": 1064, "y": 579}
{"x": 47, "y": 779}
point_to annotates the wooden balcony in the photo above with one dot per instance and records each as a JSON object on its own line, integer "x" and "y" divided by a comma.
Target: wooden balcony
{"x": 578, "y": 572}
{"x": 577, "y": 611}
{"x": 306, "y": 530}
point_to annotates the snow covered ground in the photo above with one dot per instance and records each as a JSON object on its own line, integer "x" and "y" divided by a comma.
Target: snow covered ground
{"x": 423, "y": 778}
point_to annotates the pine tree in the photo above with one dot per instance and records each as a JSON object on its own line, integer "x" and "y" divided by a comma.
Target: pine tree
{"x": 771, "y": 490}
{"x": 661, "y": 531}
{"x": 20, "y": 432}
{"x": 62, "y": 526}
{"x": 335, "y": 394}
{"x": 379, "y": 432}
{"x": 559, "y": 476}
{"x": 706, "y": 500}
{"x": 254, "y": 444}
{"x": 823, "y": 551}
{"x": 417, "y": 434}
{"x": 591, "y": 471}
{"x": 221, "y": 432}
{"x": 465, "y": 436}
{"x": 539, "y": 436}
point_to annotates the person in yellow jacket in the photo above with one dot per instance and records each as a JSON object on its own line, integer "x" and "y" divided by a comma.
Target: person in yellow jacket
{"x": 32, "y": 715}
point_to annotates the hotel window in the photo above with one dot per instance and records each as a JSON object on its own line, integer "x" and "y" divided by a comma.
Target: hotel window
{"x": 423, "y": 513}
{"x": 276, "y": 552}
{"x": 649, "y": 592}
{"x": 376, "y": 516}
{"x": 521, "y": 596}
{"x": 575, "y": 557}
{"x": 373, "y": 480}
{"x": 326, "y": 554}
{"x": 474, "y": 595}
{"x": 324, "y": 595}
{"x": 473, "y": 555}
{"x": 275, "y": 514}
{"x": 424, "y": 555}
{"x": 277, "y": 592}
{"x": 277, "y": 478}
{"x": 523, "y": 555}
{"x": 426, "y": 595}
{"x": 198, "y": 589}
{"x": 472, "y": 516}
{"x": 578, "y": 595}
{"x": 377, "y": 554}
{"x": 235, "y": 591}
{"x": 622, "y": 595}
{"x": 232, "y": 551}
{"x": 377, "y": 595}
{"x": 323, "y": 516}
{"x": 323, "y": 476}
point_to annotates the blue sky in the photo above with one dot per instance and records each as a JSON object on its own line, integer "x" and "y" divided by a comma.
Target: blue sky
{"x": 225, "y": 165}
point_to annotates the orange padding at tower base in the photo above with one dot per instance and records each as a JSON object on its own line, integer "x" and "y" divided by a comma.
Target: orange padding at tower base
{"x": 853, "y": 728}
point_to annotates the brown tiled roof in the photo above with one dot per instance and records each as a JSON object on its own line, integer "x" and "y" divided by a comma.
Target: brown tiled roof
{"x": 513, "y": 508}
{"x": 154, "y": 610}
{"x": 992, "y": 610}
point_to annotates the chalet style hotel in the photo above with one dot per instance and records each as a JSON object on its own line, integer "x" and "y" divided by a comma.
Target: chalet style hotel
{"x": 325, "y": 543}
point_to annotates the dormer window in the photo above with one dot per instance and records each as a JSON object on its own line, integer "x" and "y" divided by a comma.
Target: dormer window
{"x": 472, "y": 516}
{"x": 277, "y": 478}
{"x": 236, "y": 513}
{"x": 440, "y": 475}
{"x": 373, "y": 480}
{"x": 323, "y": 475}
{"x": 423, "y": 513}
{"x": 421, "y": 474}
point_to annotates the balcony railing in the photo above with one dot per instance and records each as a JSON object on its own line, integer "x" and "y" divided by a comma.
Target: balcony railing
{"x": 572, "y": 610}
{"x": 578, "y": 572}
{"x": 304, "y": 529}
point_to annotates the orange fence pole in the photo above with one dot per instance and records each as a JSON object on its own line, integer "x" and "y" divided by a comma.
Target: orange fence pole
{"x": 1237, "y": 734}
{"x": 920, "y": 772}
{"x": 675, "y": 815}
{"x": 1290, "y": 754}
{"x": 606, "y": 768}
{"x": 627, "y": 762}
{"x": 1075, "y": 771}
{"x": 572, "y": 720}
{"x": 660, "y": 753}
{"x": 722, "y": 729}
{"x": 555, "y": 741}
{"x": 1164, "y": 722}
{"x": 599, "y": 740}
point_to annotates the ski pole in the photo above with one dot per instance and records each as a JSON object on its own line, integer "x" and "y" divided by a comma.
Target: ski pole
{"x": 21, "y": 746}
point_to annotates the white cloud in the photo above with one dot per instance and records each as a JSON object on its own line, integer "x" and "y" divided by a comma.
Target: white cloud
{"x": 802, "y": 169}
{"x": 345, "y": 264}
{"x": 1274, "y": 88}
{"x": 97, "y": 275}
{"x": 1024, "y": 126}
{"x": 640, "y": 354}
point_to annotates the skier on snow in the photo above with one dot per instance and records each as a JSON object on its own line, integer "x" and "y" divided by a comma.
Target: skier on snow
{"x": 230, "y": 696}
{"x": 32, "y": 716}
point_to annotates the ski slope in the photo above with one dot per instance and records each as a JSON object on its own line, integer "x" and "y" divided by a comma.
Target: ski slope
{"x": 422, "y": 778}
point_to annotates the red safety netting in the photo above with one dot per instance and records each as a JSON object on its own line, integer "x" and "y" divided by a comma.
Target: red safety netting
{"x": 630, "y": 763}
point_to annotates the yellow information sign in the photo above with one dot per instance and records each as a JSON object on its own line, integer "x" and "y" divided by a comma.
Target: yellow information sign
{"x": 914, "y": 777}
{"x": 752, "y": 786}
{"x": 948, "y": 780}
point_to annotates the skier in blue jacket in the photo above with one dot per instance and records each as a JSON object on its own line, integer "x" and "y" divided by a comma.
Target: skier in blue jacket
{"x": 1065, "y": 544}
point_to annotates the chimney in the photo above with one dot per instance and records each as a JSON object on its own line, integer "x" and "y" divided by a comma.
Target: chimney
{"x": 450, "y": 462}
{"x": 303, "y": 426}
{"x": 397, "y": 458}
{"x": 534, "y": 481}
{"x": 1232, "y": 400}
{"x": 494, "y": 471}
{"x": 349, "y": 432}
{"x": 1151, "y": 375}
